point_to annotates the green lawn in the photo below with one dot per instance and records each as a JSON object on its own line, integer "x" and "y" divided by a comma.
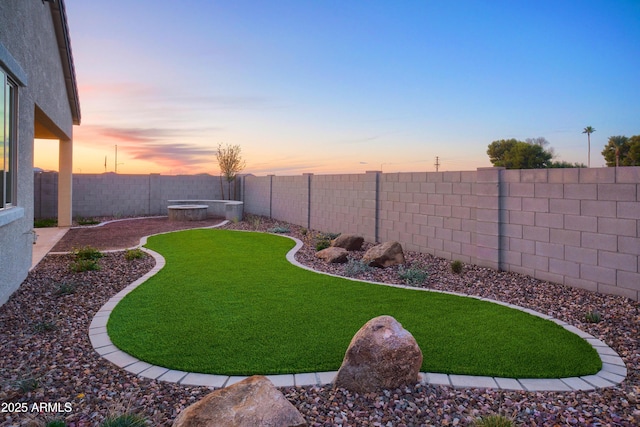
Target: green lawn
{"x": 228, "y": 302}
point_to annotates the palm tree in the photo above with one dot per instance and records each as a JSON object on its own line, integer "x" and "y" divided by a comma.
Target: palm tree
{"x": 589, "y": 130}
{"x": 618, "y": 142}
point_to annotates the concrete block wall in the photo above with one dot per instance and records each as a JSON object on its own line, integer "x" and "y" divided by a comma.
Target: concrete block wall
{"x": 578, "y": 227}
{"x": 256, "y": 192}
{"x": 45, "y": 189}
{"x": 290, "y": 199}
{"x": 123, "y": 195}
{"x": 435, "y": 213}
{"x": 110, "y": 195}
{"x": 344, "y": 203}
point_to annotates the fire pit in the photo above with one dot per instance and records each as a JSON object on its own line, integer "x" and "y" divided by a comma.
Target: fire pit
{"x": 187, "y": 212}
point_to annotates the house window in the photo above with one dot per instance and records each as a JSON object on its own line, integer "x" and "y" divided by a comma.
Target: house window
{"x": 7, "y": 141}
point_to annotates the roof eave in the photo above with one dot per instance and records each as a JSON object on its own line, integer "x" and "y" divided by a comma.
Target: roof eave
{"x": 59, "y": 15}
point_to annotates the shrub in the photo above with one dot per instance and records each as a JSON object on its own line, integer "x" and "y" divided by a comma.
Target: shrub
{"x": 44, "y": 326}
{"x": 322, "y": 244}
{"x": 56, "y": 423}
{"x": 131, "y": 254}
{"x": 592, "y": 317}
{"x": 254, "y": 221}
{"x": 66, "y": 289}
{"x": 413, "y": 275}
{"x": 456, "y": 267}
{"x": 45, "y": 222}
{"x": 324, "y": 240}
{"x": 87, "y": 221}
{"x": 355, "y": 267}
{"x": 27, "y": 385}
{"x": 84, "y": 265}
{"x": 87, "y": 252}
{"x": 86, "y": 259}
{"x": 125, "y": 420}
{"x": 328, "y": 236}
{"x": 279, "y": 229}
{"x": 494, "y": 421}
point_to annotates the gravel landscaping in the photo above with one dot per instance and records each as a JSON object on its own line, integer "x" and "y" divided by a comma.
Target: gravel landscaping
{"x": 46, "y": 356}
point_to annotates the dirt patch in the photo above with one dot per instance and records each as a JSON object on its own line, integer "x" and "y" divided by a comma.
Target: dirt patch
{"x": 122, "y": 234}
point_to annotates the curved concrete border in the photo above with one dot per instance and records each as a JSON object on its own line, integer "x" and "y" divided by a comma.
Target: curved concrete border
{"x": 613, "y": 370}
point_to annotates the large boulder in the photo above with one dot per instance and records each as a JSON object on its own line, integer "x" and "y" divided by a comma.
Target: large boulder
{"x": 350, "y": 242}
{"x": 382, "y": 355}
{"x": 252, "y": 402}
{"x": 384, "y": 255}
{"x": 333, "y": 255}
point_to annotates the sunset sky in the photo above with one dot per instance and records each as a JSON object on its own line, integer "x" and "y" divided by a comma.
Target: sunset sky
{"x": 345, "y": 86}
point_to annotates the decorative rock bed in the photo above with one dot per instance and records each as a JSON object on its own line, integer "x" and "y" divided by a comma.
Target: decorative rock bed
{"x": 187, "y": 212}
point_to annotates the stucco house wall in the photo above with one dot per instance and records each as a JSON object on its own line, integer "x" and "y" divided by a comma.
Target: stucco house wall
{"x": 34, "y": 51}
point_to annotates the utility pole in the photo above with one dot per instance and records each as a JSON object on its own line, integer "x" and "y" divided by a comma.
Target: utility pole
{"x": 437, "y": 163}
{"x": 116, "y": 162}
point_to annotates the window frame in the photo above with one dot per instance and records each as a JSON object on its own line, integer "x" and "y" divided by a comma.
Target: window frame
{"x": 8, "y": 166}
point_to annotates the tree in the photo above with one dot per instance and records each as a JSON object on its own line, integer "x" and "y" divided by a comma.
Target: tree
{"x": 633, "y": 156}
{"x": 622, "y": 151}
{"x": 514, "y": 154}
{"x": 542, "y": 142}
{"x": 589, "y": 130}
{"x": 565, "y": 164}
{"x": 230, "y": 163}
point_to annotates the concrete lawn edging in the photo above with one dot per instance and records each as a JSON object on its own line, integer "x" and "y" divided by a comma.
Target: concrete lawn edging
{"x": 613, "y": 370}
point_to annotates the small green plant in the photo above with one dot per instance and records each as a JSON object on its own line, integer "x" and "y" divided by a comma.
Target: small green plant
{"x": 415, "y": 274}
{"x": 494, "y": 421}
{"x": 87, "y": 252}
{"x": 45, "y": 222}
{"x": 592, "y": 317}
{"x": 86, "y": 259}
{"x": 279, "y": 229}
{"x": 131, "y": 254}
{"x": 328, "y": 236}
{"x": 323, "y": 240}
{"x": 125, "y": 420}
{"x": 456, "y": 266}
{"x": 56, "y": 423}
{"x": 87, "y": 221}
{"x": 254, "y": 221}
{"x": 322, "y": 244}
{"x": 355, "y": 267}
{"x": 44, "y": 326}
{"x": 66, "y": 289}
{"x": 26, "y": 385}
{"x": 84, "y": 265}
